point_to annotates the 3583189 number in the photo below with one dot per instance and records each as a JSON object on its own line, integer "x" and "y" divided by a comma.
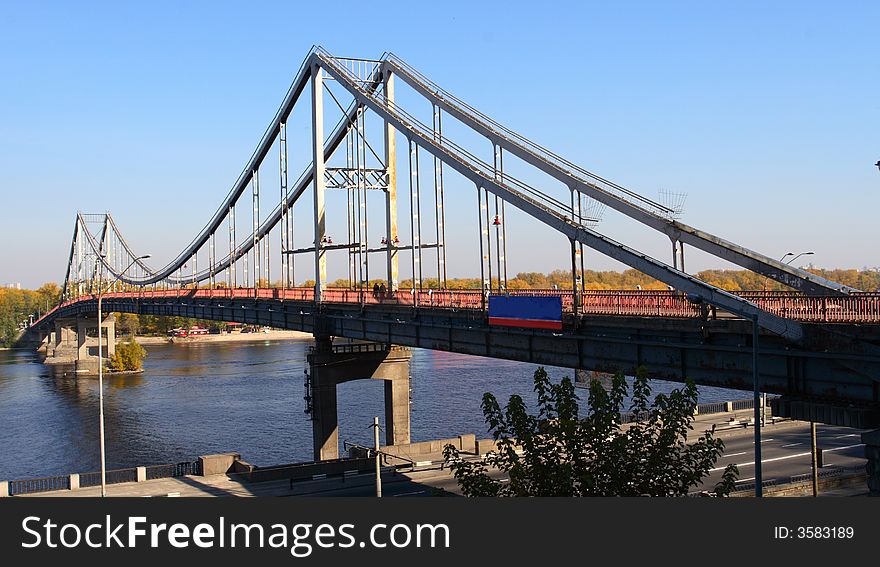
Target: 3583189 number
{"x": 825, "y": 532}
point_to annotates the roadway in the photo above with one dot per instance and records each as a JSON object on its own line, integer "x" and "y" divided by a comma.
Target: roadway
{"x": 785, "y": 453}
{"x": 785, "y": 446}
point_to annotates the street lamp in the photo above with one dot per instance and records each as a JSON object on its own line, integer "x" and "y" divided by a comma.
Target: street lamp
{"x": 813, "y": 449}
{"x": 797, "y": 256}
{"x": 101, "y": 292}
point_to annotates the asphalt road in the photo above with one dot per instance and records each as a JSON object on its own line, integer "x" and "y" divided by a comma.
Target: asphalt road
{"x": 785, "y": 452}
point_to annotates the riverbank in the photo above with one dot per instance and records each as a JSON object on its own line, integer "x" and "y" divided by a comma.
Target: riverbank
{"x": 271, "y": 335}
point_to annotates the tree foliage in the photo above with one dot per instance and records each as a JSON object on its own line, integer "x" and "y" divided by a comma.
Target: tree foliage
{"x": 128, "y": 324}
{"x": 129, "y": 356}
{"x": 562, "y": 454}
{"x": 17, "y": 304}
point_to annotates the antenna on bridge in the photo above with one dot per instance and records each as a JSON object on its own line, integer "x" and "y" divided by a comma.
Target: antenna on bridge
{"x": 674, "y": 201}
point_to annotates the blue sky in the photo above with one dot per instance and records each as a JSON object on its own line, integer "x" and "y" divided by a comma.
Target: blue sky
{"x": 765, "y": 114}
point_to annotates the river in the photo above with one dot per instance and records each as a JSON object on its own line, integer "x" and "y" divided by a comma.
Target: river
{"x": 200, "y": 398}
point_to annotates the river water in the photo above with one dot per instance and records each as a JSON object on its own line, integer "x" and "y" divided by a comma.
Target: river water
{"x": 200, "y": 398}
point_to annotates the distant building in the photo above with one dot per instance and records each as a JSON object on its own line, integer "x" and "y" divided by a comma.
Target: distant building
{"x": 16, "y": 285}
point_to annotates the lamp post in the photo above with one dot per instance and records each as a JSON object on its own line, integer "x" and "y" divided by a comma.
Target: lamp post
{"x": 813, "y": 449}
{"x": 794, "y": 257}
{"x": 376, "y": 450}
{"x": 101, "y": 370}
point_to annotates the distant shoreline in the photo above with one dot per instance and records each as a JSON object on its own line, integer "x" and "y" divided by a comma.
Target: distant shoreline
{"x": 225, "y": 337}
{"x": 272, "y": 335}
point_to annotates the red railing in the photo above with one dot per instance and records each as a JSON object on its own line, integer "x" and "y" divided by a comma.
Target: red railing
{"x": 854, "y": 308}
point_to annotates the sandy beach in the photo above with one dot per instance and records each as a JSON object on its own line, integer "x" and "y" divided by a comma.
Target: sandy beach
{"x": 227, "y": 337}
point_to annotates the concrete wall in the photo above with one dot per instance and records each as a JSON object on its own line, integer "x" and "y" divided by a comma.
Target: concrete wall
{"x": 806, "y": 488}
{"x": 218, "y": 464}
{"x": 418, "y": 451}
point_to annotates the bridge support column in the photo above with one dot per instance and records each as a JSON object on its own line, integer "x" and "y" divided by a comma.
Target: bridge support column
{"x": 872, "y": 453}
{"x": 62, "y": 345}
{"x": 47, "y": 340}
{"x": 85, "y": 361}
{"x": 331, "y": 365}
{"x": 397, "y": 404}
{"x": 110, "y": 328}
{"x": 325, "y": 421}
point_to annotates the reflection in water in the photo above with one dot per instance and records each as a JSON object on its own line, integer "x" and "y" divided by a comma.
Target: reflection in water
{"x": 199, "y": 398}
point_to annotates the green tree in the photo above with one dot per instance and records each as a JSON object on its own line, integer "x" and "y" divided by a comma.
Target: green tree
{"x": 129, "y": 356}
{"x": 565, "y": 455}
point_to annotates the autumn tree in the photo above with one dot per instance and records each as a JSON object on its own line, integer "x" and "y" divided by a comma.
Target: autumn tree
{"x": 129, "y": 356}
{"x": 563, "y": 454}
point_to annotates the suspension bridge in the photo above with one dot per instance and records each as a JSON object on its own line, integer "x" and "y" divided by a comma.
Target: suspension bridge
{"x": 815, "y": 345}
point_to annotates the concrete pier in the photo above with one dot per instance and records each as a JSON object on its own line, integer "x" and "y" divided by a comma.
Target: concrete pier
{"x": 331, "y": 365}
{"x": 75, "y": 341}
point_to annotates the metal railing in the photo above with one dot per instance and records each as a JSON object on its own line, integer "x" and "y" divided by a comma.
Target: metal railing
{"x": 854, "y": 308}
{"x": 174, "y": 470}
{"x": 740, "y": 405}
{"x": 35, "y": 485}
{"x": 112, "y": 477}
{"x": 348, "y": 348}
{"x": 712, "y": 407}
{"x": 831, "y": 471}
{"x": 116, "y": 476}
{"x": 824, "y": 473}
{"x": 702, "y": 409}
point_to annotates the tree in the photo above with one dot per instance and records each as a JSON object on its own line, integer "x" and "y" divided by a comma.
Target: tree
{"x": 129, "y": 356}
{"x": 129, "y": 324}
{"x": 564, "y": 455}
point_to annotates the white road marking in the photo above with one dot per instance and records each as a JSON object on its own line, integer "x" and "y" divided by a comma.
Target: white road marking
{"x": 795, "y": 456}
{"x": 842, "y": 448}
{"x": 792, "y": 445}
{"x": 735, "y": 454}
{"x": 763, "y": 461}
{"x": 410, "y": 493}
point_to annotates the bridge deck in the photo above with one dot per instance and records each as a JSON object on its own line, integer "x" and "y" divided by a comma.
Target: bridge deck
{"x": 854, "y": 308}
